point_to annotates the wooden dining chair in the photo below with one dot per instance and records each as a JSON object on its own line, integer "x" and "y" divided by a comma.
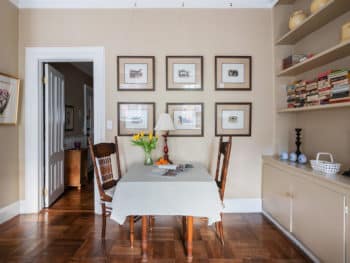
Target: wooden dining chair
{"x": 222, "y": 164}
{"x": 106, "y": 181}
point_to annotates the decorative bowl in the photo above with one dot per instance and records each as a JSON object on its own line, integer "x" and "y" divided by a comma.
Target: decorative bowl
{"x": 296, "y": 19}
{"x": 317, "y": 5}
{"x": 345, "y": 32}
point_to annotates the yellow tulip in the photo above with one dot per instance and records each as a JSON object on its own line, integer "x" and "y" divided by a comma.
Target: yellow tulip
{"x": 150, "y": 135}
{"x": 136, "y": 137}
{"x": 142, "y": 134}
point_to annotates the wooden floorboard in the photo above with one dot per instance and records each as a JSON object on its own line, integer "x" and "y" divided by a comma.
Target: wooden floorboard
{"x": 70, "y": 232}
{"x": 75, "y": 237}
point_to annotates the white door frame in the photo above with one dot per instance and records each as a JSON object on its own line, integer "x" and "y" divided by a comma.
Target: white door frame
{"x": 33, "y": 105}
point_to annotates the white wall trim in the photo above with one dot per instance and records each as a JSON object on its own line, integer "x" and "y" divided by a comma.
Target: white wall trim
{"x": 144, "y": 3}
{"x": 292, "y": 238}
{"x": 239, "y": 205}
{"x": 33, "y": 124}
{"x": 7, "y": 212}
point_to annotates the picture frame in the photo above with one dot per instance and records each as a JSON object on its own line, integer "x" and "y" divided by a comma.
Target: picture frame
{"x": 69, "y": 118}
{"x": 184, "y": 73}
{"x": 9, "y": 99}
{"x": 233, "y": 119}
{"x": 134, "y": 117}
{"x": 233, "y": 73}
{"x": 188, "y": 119}
{"x": 136, "y": 73}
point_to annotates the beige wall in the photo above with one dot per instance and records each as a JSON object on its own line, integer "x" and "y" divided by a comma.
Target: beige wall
{"x": 74, "y": 80}
{"x": 8, "y": 134}
{"x": 325, "y": 130}
{"x": 164, "y": 32}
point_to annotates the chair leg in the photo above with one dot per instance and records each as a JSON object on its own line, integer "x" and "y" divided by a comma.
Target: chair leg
{"x": 151, "y": 222}
{"x": 131, "y": 229}
{"x": 221, "y": 229}
{"x": 104, "y": 218}
{"x": 184, "y": 228}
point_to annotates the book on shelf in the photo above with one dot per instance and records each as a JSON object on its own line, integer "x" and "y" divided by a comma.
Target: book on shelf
{"x": 332, "y": 86}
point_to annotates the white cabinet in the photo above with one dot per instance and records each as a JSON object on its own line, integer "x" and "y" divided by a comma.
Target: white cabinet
{"x": 276, "y": 191}
{"x": 310, "y": 208}
{"x": 318, "y": 219}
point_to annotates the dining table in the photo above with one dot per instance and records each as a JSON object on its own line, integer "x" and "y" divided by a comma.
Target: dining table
{"x": 147, "y": 191}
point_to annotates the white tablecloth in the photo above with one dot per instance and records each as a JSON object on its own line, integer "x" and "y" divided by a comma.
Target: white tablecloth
{"x": 144, "y": 191}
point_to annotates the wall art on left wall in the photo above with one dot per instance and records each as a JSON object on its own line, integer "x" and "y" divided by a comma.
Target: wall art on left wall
{"x": 9, "y": 99}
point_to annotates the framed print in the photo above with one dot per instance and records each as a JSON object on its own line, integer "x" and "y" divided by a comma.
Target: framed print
{"x": 134, "y": 117}
{"x": 233, "y": 73}
{"x": 69, "y": 118}
{"x": 9, "y": 97}
{"x": 135, "y": 73}
{"x": 187, "y": 117}
{"x": 184, "y": 73}
{"x": 233, "y": 119}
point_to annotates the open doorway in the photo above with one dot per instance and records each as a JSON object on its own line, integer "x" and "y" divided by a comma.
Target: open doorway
{"x": 68, "y": 122}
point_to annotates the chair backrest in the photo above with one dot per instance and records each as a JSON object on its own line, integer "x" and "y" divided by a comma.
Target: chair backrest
{"x": 222, "y": 165}
{"x": 102, "y": 161}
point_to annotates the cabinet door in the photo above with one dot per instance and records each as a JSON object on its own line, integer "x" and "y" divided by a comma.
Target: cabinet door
{"x": 318, "y": 219}
{"x": 275, "y": 194}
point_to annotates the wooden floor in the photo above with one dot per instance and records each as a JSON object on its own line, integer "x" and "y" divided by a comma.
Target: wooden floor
{"x": 69, "y": 232}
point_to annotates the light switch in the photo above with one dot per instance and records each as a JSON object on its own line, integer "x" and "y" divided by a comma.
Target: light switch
{"x": 109, "y": 125}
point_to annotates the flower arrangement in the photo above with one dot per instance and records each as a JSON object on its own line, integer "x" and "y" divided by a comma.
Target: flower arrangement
{"x": 147, "y": 142}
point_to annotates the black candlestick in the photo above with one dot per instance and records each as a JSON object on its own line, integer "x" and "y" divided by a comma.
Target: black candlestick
{"x": 298, "y": 141}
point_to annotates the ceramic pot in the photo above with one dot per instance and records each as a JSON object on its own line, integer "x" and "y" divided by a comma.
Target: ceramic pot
{"x": 345, "y": 32}
{"x": 317, "y": 5}
{"x": 296, "y": 19}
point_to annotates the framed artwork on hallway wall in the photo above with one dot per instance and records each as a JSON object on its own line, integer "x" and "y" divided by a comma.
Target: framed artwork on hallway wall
{"x": 184, "y": 73}
{"x": 136, "y": 73}
{"x": 9, "y": 99}
{"x": 188, "y": 119}
{"x": 233, "y": 119}
{"x": 134, "y": 117}
{"x": 69, "y": 118}
{"x": 233, "y": 73}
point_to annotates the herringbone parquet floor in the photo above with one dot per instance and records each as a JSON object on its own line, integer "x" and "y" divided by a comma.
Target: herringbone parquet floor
{"x": 75, "y": 236}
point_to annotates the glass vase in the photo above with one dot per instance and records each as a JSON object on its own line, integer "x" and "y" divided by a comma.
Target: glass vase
{"x": 148, "y": 158}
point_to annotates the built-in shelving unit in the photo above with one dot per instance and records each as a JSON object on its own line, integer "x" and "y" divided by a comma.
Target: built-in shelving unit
{"x": 315, "y": 21}
{"x": 339, "y": 51}
{"x": 317, "y": 107}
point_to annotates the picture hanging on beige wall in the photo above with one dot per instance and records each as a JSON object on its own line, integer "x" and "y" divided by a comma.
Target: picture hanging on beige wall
{"x": 184, "y": 73}
{"x": 135, "y": 73}
{"x": 233, "y": 119}
{"x": 188, "y": 119}
{"x": 135, "y": 117}
{"x": 9, "y": 97}
{"x": 233, "y": 72}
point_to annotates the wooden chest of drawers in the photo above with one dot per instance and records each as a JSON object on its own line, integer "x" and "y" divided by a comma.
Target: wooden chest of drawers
{"x": 75, "y": 167}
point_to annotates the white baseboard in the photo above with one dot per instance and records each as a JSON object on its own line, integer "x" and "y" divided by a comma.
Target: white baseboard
{"x": 7, "y": 212}
{"x": 292, "y": 238}
{"x": 239, "y": 205}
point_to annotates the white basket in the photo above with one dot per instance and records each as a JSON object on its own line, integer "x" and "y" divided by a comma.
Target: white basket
{"x": 324, "y": 166}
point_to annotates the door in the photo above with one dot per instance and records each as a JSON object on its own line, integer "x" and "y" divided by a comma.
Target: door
{"x": 319, "y": 219}
{"x": 276, "y": 195}
{"x": 54, "y": 135}
{"x": 89, "y": 119}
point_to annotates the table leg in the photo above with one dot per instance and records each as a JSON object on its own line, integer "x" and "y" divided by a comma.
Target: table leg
{"x": 131, "y": 229}
{"x": 189, "y": 238}
{"x": 144, "y": 238}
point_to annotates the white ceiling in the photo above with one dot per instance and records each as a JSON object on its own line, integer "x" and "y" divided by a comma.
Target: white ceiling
{"x": 144, "y": 3}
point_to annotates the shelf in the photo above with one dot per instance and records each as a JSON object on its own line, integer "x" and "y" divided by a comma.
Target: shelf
{"x": 285, "y": 2}
{"x": 341, "y": 50}
{"x": 317, "y": 107}
{"x": 315, "y": 21}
